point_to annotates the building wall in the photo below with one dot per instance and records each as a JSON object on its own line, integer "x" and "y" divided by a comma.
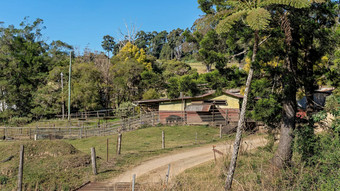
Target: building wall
{"x": 173, "y": 106}
{"x": 231, "y": 101}
{"x": 173, "y": 110}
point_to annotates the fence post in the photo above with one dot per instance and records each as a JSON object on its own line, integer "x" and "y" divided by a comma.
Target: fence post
{"x": 36, "y": 133}
{"x": 133, "y": 182}
{"x": 107, "y": 150}
{"x": 119, "y": 144}
{"x": 5, "y": 132}
{"x": 196, "y": 137}
{"x": 93, "y": 159}
{"x": 226, "y": 116}
{"x": 167, "y": 178}
{"x": 153, "y": 118}
{"x": 220, "y": 131}
{"x": 163, "y": 140}
{"x": 140, "y": 117}
{"x": 29, "y": 133}
{"x": 21, "y": 167}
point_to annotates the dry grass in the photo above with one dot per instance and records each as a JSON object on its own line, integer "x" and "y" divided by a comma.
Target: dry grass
{"x": 255, "y": 172}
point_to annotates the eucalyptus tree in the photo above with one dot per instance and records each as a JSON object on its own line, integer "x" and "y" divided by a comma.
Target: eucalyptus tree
{"x": 108, "y": 45}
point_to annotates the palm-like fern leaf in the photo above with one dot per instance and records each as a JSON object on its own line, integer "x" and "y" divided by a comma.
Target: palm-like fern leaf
{"x": 293, "y": 3}
{"x": 226, "y": 24}
{"x": 258, "y": 19}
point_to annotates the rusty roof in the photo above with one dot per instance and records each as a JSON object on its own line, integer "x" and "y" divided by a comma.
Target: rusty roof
{"x": 188, "y": 97}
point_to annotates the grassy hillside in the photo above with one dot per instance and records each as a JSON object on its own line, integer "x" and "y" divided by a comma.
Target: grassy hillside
{"x": 65, "y": 165}
{"x": 53, "y": 165}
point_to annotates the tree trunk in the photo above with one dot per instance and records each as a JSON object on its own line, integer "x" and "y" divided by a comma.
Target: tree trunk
{"x": 240, "y": 124}
{"x": 283, "y": 155}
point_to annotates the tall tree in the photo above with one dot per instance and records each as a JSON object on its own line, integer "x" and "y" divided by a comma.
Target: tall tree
{"x": 257, "y": 17}
{"x": 22, "y": 54}
{"x": 289, "y": 25}
{"x": 108, "y": 45}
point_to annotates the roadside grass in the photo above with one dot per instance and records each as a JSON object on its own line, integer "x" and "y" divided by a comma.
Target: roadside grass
{"x": 254, "y": 171}
{"x": 65, "y": 164}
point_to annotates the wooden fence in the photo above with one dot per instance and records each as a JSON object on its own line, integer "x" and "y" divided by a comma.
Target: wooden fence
{"x": 81, "y": 130}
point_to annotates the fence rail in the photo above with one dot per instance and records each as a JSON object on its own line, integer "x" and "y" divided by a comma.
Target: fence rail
{"x": 81, "y": 130}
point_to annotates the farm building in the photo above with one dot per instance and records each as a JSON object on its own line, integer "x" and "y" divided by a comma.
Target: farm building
{"x": 203, "y": 109}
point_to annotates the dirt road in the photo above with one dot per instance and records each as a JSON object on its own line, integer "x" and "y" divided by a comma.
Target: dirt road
{"x": 155, "y": 169}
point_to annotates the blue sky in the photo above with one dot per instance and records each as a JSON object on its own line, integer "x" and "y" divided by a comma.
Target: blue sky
{"x": 83, "y": 23}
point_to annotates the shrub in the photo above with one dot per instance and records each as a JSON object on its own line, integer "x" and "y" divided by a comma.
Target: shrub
{"x": 18, "y": 121}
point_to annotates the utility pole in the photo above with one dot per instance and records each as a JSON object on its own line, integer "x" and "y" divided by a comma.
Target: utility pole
{"x": 69, "y": 88}
{"x": 62, "y": 95}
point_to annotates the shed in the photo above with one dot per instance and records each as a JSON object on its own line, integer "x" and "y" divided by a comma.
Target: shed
{"x": 203, "y": 109}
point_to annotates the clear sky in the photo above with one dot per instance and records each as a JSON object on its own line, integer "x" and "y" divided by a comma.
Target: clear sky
{"x": 83, "y": 23}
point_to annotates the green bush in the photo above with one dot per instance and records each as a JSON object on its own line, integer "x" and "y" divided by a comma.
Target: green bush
{"x": 19, "y": 121}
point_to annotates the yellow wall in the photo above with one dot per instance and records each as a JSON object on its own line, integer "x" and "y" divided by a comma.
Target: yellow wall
{"x": 173, "y": 106}
{"x": 231, "y": 101}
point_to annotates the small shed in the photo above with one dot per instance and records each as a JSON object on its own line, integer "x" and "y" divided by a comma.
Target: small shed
{"x": 203, "y": 109}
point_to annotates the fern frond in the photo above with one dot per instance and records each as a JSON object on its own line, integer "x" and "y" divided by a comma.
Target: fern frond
{"x": 226, "y": 24}
{"x": 258, "y": 19}
{"x": 318, "y": 1}
{"x": 294, "y": 3}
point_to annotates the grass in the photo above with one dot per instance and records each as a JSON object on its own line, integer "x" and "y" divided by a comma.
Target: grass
{"x": 201, "y": 68}
{"x": 65, "y": 165}
{"x": 48, "y": 165}
{"x": 137, "y": 146}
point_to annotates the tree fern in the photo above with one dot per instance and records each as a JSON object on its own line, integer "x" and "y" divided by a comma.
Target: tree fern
{"x": 258, "y": 19}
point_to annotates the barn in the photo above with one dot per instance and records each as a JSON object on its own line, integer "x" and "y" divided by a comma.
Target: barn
{"x": 208, "y": 108}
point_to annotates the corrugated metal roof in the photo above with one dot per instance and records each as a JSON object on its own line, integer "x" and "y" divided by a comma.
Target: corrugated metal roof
{"x": 188, "y": 97}
{"x": 198, "y": 107}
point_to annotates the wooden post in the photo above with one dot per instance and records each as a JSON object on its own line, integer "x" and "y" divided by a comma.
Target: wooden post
{"x": 21, "y": 167}
{"x": 5, "y": 133}
{"x": 220, "y": 131}
{"x": 213, "y": 119}
{"x": 140, "y": 116}
{"x": 119, "y": 143}
{"x": 29, "y": 133}
{"x": 107, "y": 150}
{"x": 133, "y": 182}
{"x": 226, "y": 117}
{"x": 167, "y": 177}
{"x": 163, "y": 140}
{"x": 93, "y": 159}
{"x": 153, "y": 119}
{"x": 36, "y": 133}
{"x": 196, "y": 138}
